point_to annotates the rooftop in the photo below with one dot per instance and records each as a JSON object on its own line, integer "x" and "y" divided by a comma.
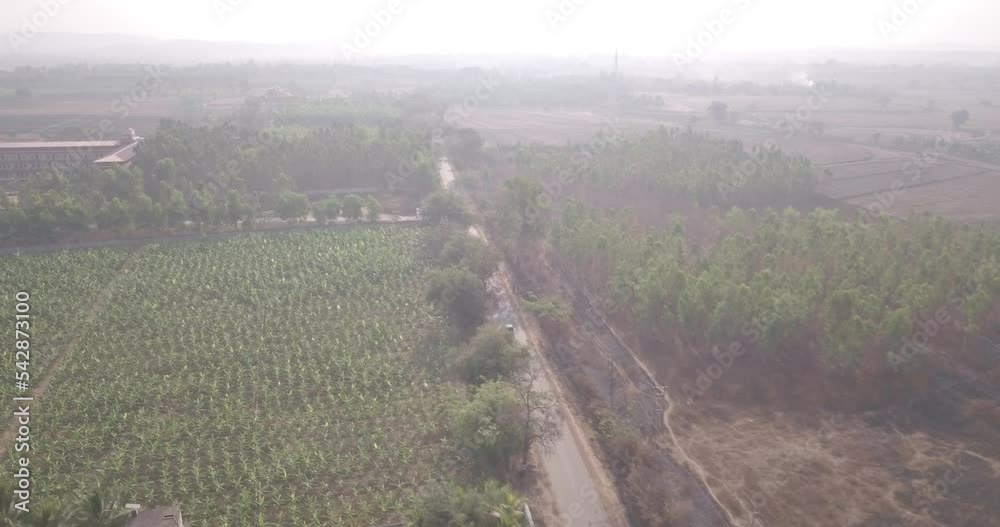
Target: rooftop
{"x": 157, "y": 517}
{"x": 57, "y": 144}
{"x": 123, "y": 155}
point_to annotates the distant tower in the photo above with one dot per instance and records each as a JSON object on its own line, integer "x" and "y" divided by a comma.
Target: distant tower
{"x": 617, "y": 74}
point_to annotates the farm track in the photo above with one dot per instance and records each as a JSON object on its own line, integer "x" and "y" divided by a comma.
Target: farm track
{"x": 38, "y": 392}
{"x": 710, "y": 509}
{"x": 581, "y": 489}
{"x": 914, "y": 185}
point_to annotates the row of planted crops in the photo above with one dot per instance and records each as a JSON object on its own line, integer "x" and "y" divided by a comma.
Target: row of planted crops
{"x": 255, "y": 380}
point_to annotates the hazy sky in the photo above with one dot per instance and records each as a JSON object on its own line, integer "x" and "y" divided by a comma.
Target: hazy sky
{"x": 636, "y": 27}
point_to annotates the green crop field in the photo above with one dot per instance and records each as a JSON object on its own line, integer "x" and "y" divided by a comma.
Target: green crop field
{"x": 254, "y": 380}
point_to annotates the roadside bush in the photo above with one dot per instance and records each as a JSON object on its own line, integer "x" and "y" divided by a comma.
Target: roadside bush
{"x": 461, "y": 294}
{"x": 492, "y": 354}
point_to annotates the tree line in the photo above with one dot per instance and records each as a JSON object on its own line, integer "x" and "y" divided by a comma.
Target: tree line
{"x": 503, "y": 415}
{"x": 215, "y": 175}
{"x": 788, "y": 286}
{"x": 679, "y": 163}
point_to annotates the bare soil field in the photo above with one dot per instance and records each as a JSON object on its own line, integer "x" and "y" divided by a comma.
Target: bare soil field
{"x": 787, "y": 469}
{"x": 35, "y": 118}
{"x": 526, "y": 125}
{"x": 852, "y": 167}
{"x": 926, "y": 463}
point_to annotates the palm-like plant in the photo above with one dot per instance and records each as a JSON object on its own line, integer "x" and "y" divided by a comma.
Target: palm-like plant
{"x": 505, "y": 506}
{"x": 100, "y": 511}
{"x": 49, "y": 514}
{"x": 9, "y": 514}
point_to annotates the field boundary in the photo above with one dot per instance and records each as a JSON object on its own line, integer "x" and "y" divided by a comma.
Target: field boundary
{"x": 700, "y": 473}
{"x": 194, "y": 236}
{"x": 38, "y": 392}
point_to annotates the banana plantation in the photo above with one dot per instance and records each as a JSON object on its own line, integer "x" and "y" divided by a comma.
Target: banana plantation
{"x": 254, "y": 380}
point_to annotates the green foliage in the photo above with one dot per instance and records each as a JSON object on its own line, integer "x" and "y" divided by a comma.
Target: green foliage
{"x": 446, "y": 206}
{"x": 212, "y": 175}
{"x": 353, "y": 207}
{"x": 492, "y": 354}
{"x": 448, "y": 245}
{"x": 327, "y": 209}
{"x": 465, "y": 147}
{"x": 372, "y": 209}
{"x": 461, "y": 294}
{"x": 786, "y": 283}
{"x": 96, "y": 510}
{"x": 674, "y": 163}
{"x": 292, "y": 206}
{"x": 450, "y": 505}
{"x": 490, "y": 426}
{"x": 315, "y": 335}
{"x": 522, "y": 210}
{"x": 551, "y": 309}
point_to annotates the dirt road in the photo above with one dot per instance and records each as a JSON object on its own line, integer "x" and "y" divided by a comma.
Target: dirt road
{"x": 583, "y": 494}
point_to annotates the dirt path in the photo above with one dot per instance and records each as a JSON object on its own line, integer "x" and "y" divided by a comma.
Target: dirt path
{"x": 583, "y": 493}
{"x": 38, "y": 391}
{"x": 709, "y": 508}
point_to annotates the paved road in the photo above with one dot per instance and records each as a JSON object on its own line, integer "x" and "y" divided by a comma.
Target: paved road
{"x": 577, "y": 483}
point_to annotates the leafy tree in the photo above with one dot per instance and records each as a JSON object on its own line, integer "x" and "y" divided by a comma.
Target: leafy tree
{"x": 117, "y": 214}
{"x": 553, "y": 314}
{"x": 489, "y": 426}
{"x": 505, "y": 419}
{"x": 353, "y": 207}
{"x": 461, "y": 294}
{"x": 491, "y": 354}
{"x": 466, "y": 147}
{"x": 292, "y": 206}
{"x": 450, "y": 246}
{"x": 522, "y": 209}
{"x": 373, "y": 209}
{"x": 718, "y": 110}
{"x": 327, "y": 210}
{"x": 446, "y": 206}
{"x": 959, "y": 118}
{"x": 239, "y": 208}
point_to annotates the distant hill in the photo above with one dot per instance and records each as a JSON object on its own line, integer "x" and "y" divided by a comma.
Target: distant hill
{"x": 60, "y": 48}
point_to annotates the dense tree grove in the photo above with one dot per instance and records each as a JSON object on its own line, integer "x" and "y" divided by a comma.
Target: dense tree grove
{"x": 221, "y": 174}
{"x": 677, "y": 162}
{"x": 785, "y": 283}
